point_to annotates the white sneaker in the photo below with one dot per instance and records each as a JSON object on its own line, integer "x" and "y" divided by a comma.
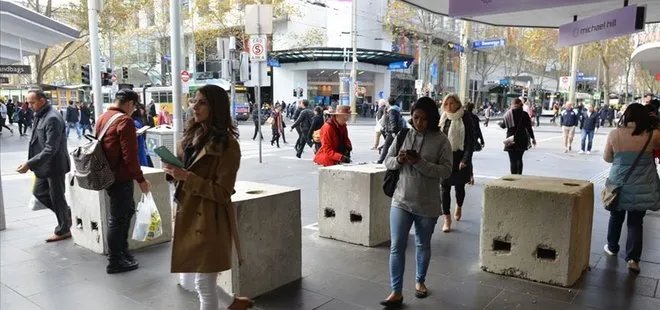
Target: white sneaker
{"x": 588, "y": 152}
{"x": 607, "y": 251}
{"x": 581, "y": 152}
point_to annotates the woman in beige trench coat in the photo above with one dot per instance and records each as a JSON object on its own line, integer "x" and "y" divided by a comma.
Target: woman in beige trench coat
{"x": 205, "y": 224}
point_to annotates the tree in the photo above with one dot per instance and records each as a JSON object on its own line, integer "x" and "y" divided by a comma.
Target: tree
{"x": 646, "y": 82}
{"x": 489, "y": 60}
{"x": 311, "y": 37}
{"x": 610, "y": 55}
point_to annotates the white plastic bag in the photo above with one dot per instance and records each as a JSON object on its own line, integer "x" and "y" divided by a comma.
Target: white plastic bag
{"x": 148, "y": 225}
{"x": 35, "y": 205}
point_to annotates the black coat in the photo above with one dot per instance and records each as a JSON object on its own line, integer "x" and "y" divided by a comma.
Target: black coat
{"x": 461, "y": 176}
{"x": 317, "y": 123}
{"x": 86, "y": 116}
{"x": 589, "y": 123}
{"x": 48, "y": 154}
{"x": 304, "y": 121}
{"x": 394, "y": 122}
{"x": 522, "y": 135}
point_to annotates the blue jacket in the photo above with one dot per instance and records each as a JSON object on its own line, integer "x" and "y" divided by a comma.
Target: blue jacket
{"x": 589, "y": 123}
{"x": 569, "y": 118}
{"x": 142, "y": 146}
{"x": 641, "y": 192}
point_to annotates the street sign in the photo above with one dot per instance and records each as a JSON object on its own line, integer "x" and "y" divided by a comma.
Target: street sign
{"x": 434, "y": 70}
{"x": 564, "y": 83}
{"x": 399, "y": 65}
{"x": 272, "y": 62}
{"x": 457, "y": 47}
{"x": 488, "y": 43}
{"x": 185, "y": 76}
{"x": 586, "y": 78}
{"x": 15, "y": 69}
{"x": 504, "y": 82}
{"x": 258, "y": 45}
{"x": 620, "y": 22}
{"x": 258, "y": 19}
{"x": 463, "y": 8}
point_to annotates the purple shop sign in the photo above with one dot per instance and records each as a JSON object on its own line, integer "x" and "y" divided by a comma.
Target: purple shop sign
{"x": 615, "y": 23}
{"x": 472, "y": 8}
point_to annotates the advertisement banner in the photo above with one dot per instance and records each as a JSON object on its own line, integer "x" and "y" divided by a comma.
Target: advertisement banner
{"x": 615, "y": 23}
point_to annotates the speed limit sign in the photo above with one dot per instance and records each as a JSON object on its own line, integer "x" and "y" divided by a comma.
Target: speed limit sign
{"x": 258, "y": 45}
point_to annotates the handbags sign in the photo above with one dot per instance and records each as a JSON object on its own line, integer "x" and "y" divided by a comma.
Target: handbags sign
{"x": 15, "y": 69}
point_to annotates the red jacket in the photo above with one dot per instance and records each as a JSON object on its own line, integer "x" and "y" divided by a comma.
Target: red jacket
{"x": 330, "y": 152}
{"x": 120, "y": 146}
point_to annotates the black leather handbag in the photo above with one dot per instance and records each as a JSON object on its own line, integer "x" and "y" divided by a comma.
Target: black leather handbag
{"x": 392, "y": 176}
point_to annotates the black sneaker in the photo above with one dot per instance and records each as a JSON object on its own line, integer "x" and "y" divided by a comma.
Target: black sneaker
{"x": 120, "y": 265}
{"x": 129, "y": 257}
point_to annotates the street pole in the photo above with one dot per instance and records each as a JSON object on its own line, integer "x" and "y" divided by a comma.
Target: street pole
{"x": 3, "y": 223}
{"x": 193, "y": 55}
{"x": 232, "y": 75}
{"x": 175, "y": 43}
{"x": 573, "y": 78}
{"x": 353, "y": 85}
{"x": 95, "y": 70}
{"x": 257, "y": 88}
{"x": 463, "y": 76}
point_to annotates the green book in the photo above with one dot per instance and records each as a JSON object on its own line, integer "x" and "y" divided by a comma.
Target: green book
{"x": 167, "y": 157}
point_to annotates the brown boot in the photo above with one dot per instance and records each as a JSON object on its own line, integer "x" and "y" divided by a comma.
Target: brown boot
{"x": 458, "y": 213}
{"x": 446, "y": 227}
{"x": 241, "y": 303}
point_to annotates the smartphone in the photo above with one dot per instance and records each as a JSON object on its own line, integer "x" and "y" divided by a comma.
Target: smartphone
{"x": 411, "y": 153}
{"x": 167, "y": 157}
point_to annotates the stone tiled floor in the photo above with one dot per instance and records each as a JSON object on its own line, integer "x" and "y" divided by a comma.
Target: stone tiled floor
{"x": 336, "y": 275}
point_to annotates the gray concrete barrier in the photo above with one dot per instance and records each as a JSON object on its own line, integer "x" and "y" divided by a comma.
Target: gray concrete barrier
{"x": 537, "y": 228}
{"x": 352, "y": 205}
{"x": 268, "y": 223}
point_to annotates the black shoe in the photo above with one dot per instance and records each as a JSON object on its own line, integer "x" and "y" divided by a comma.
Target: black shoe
{"x": 392, "y": 304}
{"x": 127, "y": 256}
{"x": 298, "y": 154}
{"x": 421, "y": 294}
{"x": 121, "y": 265}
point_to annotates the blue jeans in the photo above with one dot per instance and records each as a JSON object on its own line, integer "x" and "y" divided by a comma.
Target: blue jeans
{"x": 586, "y": 133}
{"x": 74, "y": 126}
{"x": 635, "y": 230}
{"x": 400, "y": 223}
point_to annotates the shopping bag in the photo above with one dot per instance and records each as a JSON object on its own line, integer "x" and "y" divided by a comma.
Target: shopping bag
{"x": 148, "y": 225}
{"x": 34, "y": 204}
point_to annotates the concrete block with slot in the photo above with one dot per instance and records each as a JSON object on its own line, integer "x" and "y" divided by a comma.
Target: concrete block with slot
{"x": 90, "y": 211}
{"x": 268, "y": 223}
{"x": 352, "y": 205}
{"x": 537, "y": 228}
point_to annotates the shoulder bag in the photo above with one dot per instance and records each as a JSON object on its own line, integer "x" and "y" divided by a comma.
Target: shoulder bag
{"x": 392, "y": 176}
{"x": 610, "y": 194}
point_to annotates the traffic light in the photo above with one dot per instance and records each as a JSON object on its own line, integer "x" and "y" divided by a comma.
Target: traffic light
{"x": 85, "y": 74}
{"x": 124, "y": 73}
{"x": 104, "y": 81}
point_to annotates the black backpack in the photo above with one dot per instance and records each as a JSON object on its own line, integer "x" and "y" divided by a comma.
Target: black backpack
{"x": 392, "y": 176}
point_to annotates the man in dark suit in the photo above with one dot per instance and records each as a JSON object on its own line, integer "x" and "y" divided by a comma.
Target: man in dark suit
{"x": 302, "y": 124}
{"x": 49, "y": 160}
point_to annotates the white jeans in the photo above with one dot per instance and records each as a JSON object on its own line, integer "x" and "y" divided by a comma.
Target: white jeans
{"x": 211, "y": 296}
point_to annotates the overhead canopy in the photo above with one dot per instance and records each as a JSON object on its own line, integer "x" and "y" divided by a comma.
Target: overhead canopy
{"x": 648, "y": 56}
{"x": 544, "y": 18}
{"x": 22, "y": 29}
{"x": 375, "y": 57}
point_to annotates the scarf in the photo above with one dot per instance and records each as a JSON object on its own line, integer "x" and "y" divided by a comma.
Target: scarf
{"x": 456, "y": 133}
{"x": 509, "y": 121}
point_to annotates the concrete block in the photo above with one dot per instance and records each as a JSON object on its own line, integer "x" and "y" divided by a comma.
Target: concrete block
{"x": 268, "y": 223}
{"x": 90, "y": 211}
{"x": 537, "y": 228}
{"x": 352, "y": 205}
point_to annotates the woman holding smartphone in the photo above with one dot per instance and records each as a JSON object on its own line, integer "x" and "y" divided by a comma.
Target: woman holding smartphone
{"x": 205, "y": 225}
{"x": 423, "y": 161}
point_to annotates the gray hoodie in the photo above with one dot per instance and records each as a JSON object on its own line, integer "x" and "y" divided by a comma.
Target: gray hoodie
{"x": 419, "y": 188}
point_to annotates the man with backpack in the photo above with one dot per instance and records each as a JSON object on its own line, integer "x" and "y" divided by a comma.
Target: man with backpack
{"x": 49, "y": 161}
{"x": 120, "y": 147}
{"x": 395, "y": 123}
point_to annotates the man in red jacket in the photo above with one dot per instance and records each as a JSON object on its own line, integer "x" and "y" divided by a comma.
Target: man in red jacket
{"x": 121, "y": 149}
{"x": 335, "y": 147}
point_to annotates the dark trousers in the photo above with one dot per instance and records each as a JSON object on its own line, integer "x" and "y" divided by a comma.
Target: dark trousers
{"x": 276, "y": 137}
{"x": 50, "y": 192}
{"x": 122, "y": 208}
{"x": 4, "y": 124}
{"x": 22, "y": 128}
{"x": 486, "y": 121}
{"x": 635, "y": 230}
{"x": 386, "y": 147}
{"x": 446, "y": 197}
{"x": 538, "y": 120}
{"x": 283, "y": 137}
{"x": 516, "y": 161}
{"x": 257, "y": 132}
{"x": 302, "y": 140}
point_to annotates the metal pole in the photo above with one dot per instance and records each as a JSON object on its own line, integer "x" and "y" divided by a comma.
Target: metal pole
{"x": 463, "y": 75}
{"x": 193, "y": 56}
{"x": 353, "y": 85}
{"x": 574, "y": 63}
{"x": 111, "y": 64}
{"x": 257, "y": 89}
{"x": 232, "y": 75}
{"x": 3, "y": 223}
{"x": 95, "y": 70}
{"x": 175, "y": 43}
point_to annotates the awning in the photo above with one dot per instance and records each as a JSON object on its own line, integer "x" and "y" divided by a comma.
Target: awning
{"x": 648, "y": 57}
{"x": 375, "y": 57}
{"x": 544, "y": 18}
{"x": 26, "y": 32}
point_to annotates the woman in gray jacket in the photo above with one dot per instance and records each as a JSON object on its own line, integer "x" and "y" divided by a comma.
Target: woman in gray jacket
{"x": 641, "y": 192}
{"x": 424, "y": 161}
